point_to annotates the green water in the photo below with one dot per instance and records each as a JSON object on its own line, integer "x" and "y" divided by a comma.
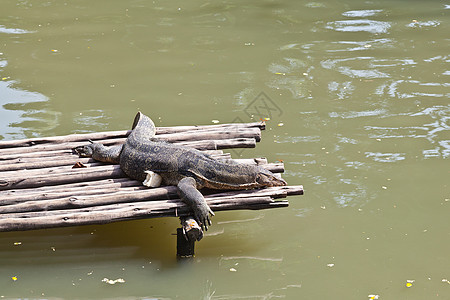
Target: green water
{"x": 361, "y": 90}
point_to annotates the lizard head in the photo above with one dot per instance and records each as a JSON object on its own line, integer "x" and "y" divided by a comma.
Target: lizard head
{"x": 267, "y": 178}
{"x": 86, "y": 150}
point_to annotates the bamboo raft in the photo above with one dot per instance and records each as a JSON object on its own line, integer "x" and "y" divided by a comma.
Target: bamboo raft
{"x": 44, "y": 184}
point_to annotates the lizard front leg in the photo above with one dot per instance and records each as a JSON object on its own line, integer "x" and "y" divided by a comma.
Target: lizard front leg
{"x": 99, "y": 152}
{"x": 187, "y": 189}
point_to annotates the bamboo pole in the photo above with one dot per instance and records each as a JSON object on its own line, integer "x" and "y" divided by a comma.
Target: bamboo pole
{"x": 5, "y": 158}
{"x": 127, "y": 211}
{"x": 74, "y": 175}
{"x": 133, "y": 194}
{"x": 212, "y": 144}
{"x": 8, "y": 197}
{"x": 71, "y": 160}
{"x": 91, "y": 168}
{"x": 124, "y": 133}
{"x": 64, "y": 154}
{"x": 226, "y": 126}
{"x": 152, "y": 206}
{"x": 102, "y": 183}
{"x": 63, "y": 175}
{"x": 85, "y": 188}
{"x": 59, "y": 161}
{"x": 100, "y": 187}
{"x": 122, "y": 196}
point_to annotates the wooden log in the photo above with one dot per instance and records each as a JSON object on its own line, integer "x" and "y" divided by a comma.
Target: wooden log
{"x": 33, "y": 142}
{"x": 129, "y": 195}
{"x": 100, "y": 187}
{"x": 8, "y": 197}
{"x": 71, "y": 142}
{"x": 185, "y": 246}
{"x": 63, "y": 175}
{"x": 61, "y": 160}
{"x": 221, "y": 144}
{"x": 45, "y": 163}
{"x": 6, "y": 158}
{"x": 89, "y": 188}
{"x": 208, "y": 134}
{"x": 72, "y": 187}
{"x": 274, "y": 192}
{"x": 120, "y": 196}
{"x": 200, "y": 144}
{"x": 20, "y": 174}
{"x": 123, "y": 134}
{"x": 91, "y": 168}
{"x": 275, "y": 167}
{"x": 19, "y": 151}
{"x": 77, "y": 186}
{"x": 126, "y": 211}
{"x": 75, "y": 175}
{"x": 149, "y": 205}
{"x": 226, "y": 126}
{"x": 33, "y": 157}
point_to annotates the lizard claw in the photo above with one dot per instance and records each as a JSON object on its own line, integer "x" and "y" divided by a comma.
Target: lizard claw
{"x": 202, "y": 215}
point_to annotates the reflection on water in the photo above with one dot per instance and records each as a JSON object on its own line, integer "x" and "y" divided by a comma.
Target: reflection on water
{"x": 360, "y": 25}
{"x": 362, "y": 13}
{"x": 23, "y": 113}
{"x": 3, "y": 29}
{"x": 363, "y": 92}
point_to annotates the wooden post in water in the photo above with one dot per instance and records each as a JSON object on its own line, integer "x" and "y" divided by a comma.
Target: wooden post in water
{"x": 185, "y": 247}
{"x": 187, "y": 235}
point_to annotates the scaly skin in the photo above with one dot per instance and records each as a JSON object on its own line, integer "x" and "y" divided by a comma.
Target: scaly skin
{"x": 187, "y": 168}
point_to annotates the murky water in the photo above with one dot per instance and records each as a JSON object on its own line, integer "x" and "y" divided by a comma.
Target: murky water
{"x": 358, "y": 99}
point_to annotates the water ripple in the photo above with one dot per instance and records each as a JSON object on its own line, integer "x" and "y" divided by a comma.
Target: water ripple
{"x": 351, "y": 71}
{"x": 385, "y": 157}
{"x": 370, "y": 26}
{"x": 357, "y": 114}
{"x": 3, "y": 29}
{"x": 361, "y": 13}
{"x": 420, "y": 24}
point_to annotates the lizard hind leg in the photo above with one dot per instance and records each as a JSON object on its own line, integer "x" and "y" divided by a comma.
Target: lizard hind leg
{"x": 187, "y": 189}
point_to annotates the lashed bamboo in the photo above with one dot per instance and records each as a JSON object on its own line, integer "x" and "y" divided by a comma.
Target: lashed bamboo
{"x": 86, "y": 188}
{"x": 100, "y": 187}
{"x": 57, "y": 161}
{"x": 75, "y": 175}
{"x": 127, "y": 195}
{"x": 66, "y": 174}
{"x": 40, "y": 189}
{"x": 212, "y": 144}
{"x": 180, "y": 133}
{"x": 126, "y": 211}
{"x": 40, "y": 157}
